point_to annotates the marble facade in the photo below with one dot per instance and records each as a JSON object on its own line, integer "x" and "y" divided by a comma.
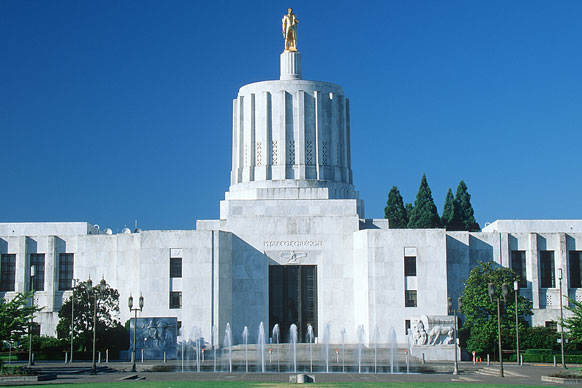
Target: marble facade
{"x": 291, "y": 202}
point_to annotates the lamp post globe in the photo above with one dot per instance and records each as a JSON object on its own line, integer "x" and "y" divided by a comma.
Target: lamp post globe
{"x": 132, "y": 309}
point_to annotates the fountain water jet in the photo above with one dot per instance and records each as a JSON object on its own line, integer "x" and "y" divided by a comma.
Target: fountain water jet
{"x": 276, "y": 337}
{"x": 227, "y": 343}
{"x": 343, "y": 332}
{"x": 293, "y": 340}
{"x": 214, "y": 342}
{"x": 360, "y": 333}
{"x": 261, "y": 346}
{"x": 376, "y": 339}
{"x": 310, "y": 340}
{"x": 325, "y": 346}
{"x": 245, "y": 335}
{"x": 393, "y": 350}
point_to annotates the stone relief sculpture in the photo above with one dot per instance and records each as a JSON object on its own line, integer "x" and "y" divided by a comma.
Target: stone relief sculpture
{"x": 440, "y": 332}
{"x": 156, "y": 336}
{"x": 289, "y": 24}
{"x": 419, "y": 336}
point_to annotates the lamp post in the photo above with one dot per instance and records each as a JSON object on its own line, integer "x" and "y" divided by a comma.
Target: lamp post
{"x": 561, "y": 320}
{"x": 32, "y": 273}
{"x": 140, "y": 308}
{"x": 100, "y": 288}
{"x": 459, "y": 304}
{"x": 504, "y": 291}
{"x": 516, "y": 290}
{"x": 74, "y": 284}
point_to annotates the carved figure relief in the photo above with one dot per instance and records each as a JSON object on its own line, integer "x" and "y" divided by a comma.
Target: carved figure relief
{"x": 432, "y": 331}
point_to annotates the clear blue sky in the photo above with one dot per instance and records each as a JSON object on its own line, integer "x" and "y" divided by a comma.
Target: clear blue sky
{"x": 112, "y": 111}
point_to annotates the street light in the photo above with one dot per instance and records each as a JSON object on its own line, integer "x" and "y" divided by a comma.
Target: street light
{"x": 74, "y": 284}
{"x": 516, "y": 290}
{"x": 504, "y": 291}
{"x": 140, "y": 308}
{"x": 99, "y": 289}
{"x": 561, "y": 320}
{"x": 32, "y": 273}
{"x": 459, "y": 305}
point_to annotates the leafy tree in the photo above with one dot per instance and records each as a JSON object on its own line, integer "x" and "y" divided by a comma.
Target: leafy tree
{"x": 479, "y": 332}
{"x": 450, "y": 213}
{"x": 465, "y": 209}
{"x": 574, "y": 323}
{"x": 15, "y": 316}
{"x": 424, "y": 214}
{"x": 395, "y": 211}
{"x": 107, "y": 317}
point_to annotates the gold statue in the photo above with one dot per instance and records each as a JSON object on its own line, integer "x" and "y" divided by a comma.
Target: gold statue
{"x": 290, "y": 30}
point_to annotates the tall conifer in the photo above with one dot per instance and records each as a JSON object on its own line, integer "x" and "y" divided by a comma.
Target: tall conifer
{"x": 395, "y": 211}
{"x": 465, "y": 209}
{"x": 424, "y": 214}
{"x": 448, "y": 217}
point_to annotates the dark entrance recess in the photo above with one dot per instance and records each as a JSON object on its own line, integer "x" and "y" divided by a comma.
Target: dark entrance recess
{"x": 293, "y": 299}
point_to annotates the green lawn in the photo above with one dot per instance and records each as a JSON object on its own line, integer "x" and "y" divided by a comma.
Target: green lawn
{"x": 248, "y": 384}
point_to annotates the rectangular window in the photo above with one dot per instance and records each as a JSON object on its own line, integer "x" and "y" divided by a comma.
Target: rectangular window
{"x": 406, "y": 326}
{"x": 552, "y": 325}
{"x": 410, "y": 298}
{"x": 35, "y": 329}
{"x": 518, "y": 266}
{"x": 37, "y": 282}
{"x": 65, "y": 271}
{"x": 8, "y": 272}
{"x": 547, "y": 269}
{"x": 409, "y": 266}
{"x": 175, "y": 267}
{"x": 575, "y": 269}
{"x": 176, "y": 299}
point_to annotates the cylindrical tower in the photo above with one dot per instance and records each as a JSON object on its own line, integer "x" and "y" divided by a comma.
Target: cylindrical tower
{"x": 291, "y": 138}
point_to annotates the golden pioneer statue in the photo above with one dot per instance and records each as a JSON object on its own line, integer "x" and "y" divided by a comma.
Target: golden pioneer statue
{"x": 290, "y": 30}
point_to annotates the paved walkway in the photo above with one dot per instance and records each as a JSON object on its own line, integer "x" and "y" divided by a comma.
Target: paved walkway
{"x": 469, "y": 374}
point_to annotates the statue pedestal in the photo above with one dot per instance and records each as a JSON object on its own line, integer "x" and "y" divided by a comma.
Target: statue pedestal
{"x": 435, "y": 352}
{"x": 290, "y": 65}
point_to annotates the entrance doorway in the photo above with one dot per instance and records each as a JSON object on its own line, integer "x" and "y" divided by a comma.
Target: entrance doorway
{"x": 293, "y": 299}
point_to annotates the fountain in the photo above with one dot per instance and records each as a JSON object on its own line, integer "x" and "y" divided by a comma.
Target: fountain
{"x": 227, "y": 344}
{"x": 393, "y": 350}
{"x": 376, "y": 340}
{"x": 214, "y": 342}
{"x": 343, "y": 333}
{"x": 360, "y": 334}
{"x": 293, "y": 341}
{"x": 276, "y": 337}
{"x": 310, "y": 339}
{"x": 245, "y": 335}
{"x": 261, "y": 346}
{"x": 325, "y": 346}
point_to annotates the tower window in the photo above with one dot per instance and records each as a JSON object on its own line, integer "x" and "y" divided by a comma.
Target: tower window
{"x": 409, "y": 266}
{"x": 176, "y": 299}
{"x": 175, "y": 267}
{"x": 410, "y": 298}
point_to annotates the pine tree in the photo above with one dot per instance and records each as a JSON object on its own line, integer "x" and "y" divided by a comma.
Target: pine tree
{"x": 424, "y": 214}
{"x": 408, "y": 208}
{"x": 448, "y": 217}
{"x": 465, "y": 209}
{"x": 395, "y": 211}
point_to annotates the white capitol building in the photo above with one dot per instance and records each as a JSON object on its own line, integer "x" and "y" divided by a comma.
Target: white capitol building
{"x": 292, "y": 244}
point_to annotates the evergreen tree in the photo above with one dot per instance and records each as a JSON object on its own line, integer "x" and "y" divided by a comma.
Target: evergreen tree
{"x": 448, "y": 217}
{"x": 408, "y": 207}
{"x": 465, "y": 209}
{"x": 424, "y": 214}
{"x": 395, "y": 211}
